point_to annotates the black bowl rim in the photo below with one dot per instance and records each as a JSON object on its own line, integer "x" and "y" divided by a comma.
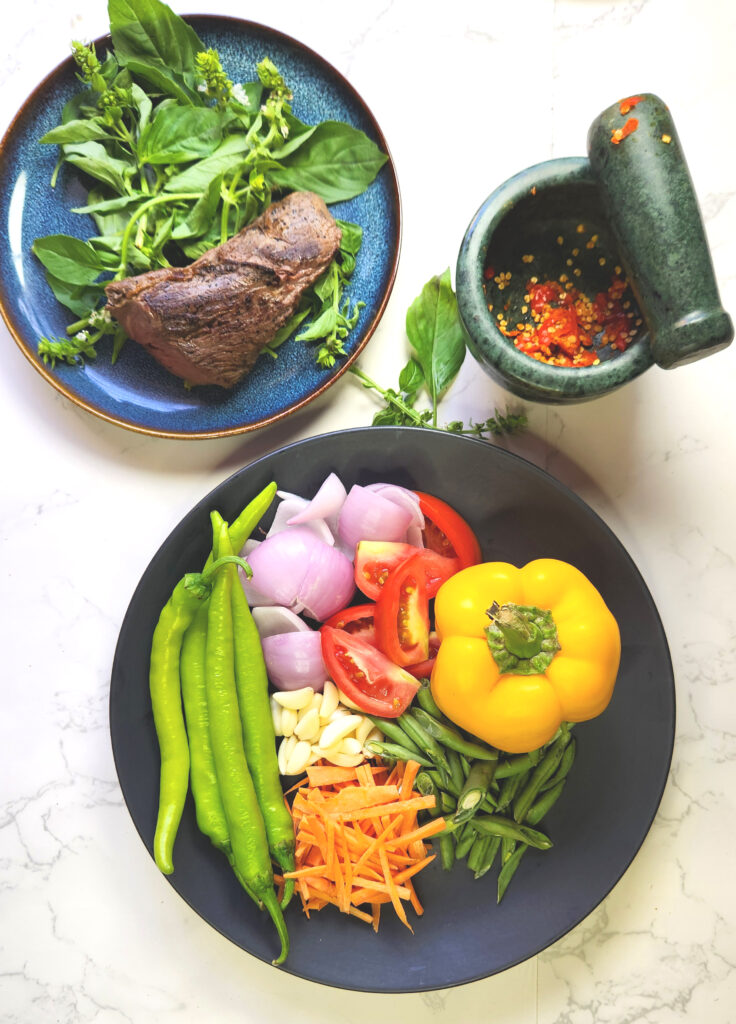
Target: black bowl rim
{"x": 130, "y": 424}
{"x": 570, "y": 495}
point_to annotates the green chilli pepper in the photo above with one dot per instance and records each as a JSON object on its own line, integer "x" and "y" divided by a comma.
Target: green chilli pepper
{"x": 258, "y": 735}
{"x": 248, "y": 839}
{"x": 166, "y": 702}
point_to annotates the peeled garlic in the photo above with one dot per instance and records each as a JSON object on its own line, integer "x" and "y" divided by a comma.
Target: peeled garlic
{"x": 294, "y": 699}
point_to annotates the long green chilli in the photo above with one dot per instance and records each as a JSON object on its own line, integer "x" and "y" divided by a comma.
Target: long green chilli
{"x": 249, "y": 843}
{"x": 166, "y": 702}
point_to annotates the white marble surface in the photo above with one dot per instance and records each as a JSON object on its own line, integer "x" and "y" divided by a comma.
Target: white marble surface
{"x": 467, "y": 93}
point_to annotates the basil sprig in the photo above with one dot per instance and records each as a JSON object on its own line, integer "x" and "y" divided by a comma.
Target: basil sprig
{"x": 180, "y": 159}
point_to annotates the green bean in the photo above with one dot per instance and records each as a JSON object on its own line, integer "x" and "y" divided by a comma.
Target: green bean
{"x": 507, "y": 871}
{"x": 457, "y": 778}
{"x": 465, "y": 764}
{"x": 464, "y": 840}
{"x": 486, "y": 863}
{"x": 451, "y": 738}
{"x": 495, "y": 825}
{"x": 396, "y": 752}
{"x": 259, "y": 738}
{"x": 544, "y": 803}
{"x": 447, "y": 852}
{"x": 474, "y": 789}
{"x": 203, "y": 779}
{"x": 248, "y": 838}
{"x": 544, "y": 771}
{"x": 396, "y": 734}
{"x": 478, "y": 852}
{"x": 423, "y": 740}
{"x": 426, "y": 785}
{"x": 427, "y": 701}
{"x": 166, "y": 702}
{"x": 509, "y": 788}
{"x": 447, "y": 802}
{"x": 518, "y": 765}
{"x": 564, "y": 767}
{"x": 508, "y": 845}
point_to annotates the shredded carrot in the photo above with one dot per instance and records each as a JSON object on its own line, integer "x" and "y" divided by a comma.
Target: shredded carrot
{"x": 358, "y": 841}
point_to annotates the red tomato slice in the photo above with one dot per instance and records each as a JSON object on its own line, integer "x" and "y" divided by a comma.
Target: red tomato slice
{"x": 375, "y": 560}
{"x": 357, "y": 620}
{"x": 446, "y": 532}
{"x": 366, "y": 676}
{"x": 423, "y": 670}
{"x": 402, "y": 613}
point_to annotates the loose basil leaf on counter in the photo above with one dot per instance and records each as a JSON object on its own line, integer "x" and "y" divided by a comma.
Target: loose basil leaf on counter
{"x": 436, "y": 335}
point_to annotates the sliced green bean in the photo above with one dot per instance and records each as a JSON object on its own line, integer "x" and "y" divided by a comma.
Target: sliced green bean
{"x": 490, "y": 855}
{"x": 451, "y": 738}
{"x": 544, "y": 803}
{"x": 427, "y": 743}
{"x": 427, "y": 701}
{"x": 508, "y": 845}
{"x": 478, "y": 851}
{"x": 565, "y": 765}
{"x": 518, "y": 765}
{"x": 395, "y": 752}
{"x": 397, "y": 735}
{"x": 464, "y": 841}
{"x": 495, "y": 825}
{"x": 457, "y": 778}
{"x": 508, "y": 870}
{"x": 544, "y": 771}
{"x": 509, "y": 788}
{"x": 447, "y": 852}
{"x": 474, "y": 789}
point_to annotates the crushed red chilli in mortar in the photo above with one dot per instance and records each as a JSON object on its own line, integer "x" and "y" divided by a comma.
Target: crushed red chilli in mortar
{"x": 565, "y": 321}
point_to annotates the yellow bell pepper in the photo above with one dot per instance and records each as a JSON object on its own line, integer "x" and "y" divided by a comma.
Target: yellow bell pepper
{"x": 523, "y": 650}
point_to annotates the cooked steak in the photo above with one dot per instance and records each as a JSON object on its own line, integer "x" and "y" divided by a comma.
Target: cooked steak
{"x": 209, "y": 321}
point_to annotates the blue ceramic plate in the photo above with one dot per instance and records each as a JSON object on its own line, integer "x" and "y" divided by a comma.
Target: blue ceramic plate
{"x": 138, "y": 393}
{"x": 518, "y": 513}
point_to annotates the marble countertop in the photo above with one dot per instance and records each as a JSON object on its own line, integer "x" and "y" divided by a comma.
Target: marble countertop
{"x": 466, "y": 94}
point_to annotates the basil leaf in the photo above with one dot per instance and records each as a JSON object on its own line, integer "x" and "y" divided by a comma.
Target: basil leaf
{"x": 299, "y": 132}
{"x": 352, "y": 237}
{"x": 197, "y": 177}
{"x": 76, "y": 131}
{"x": 181, "y": 134}
{"x": 96, "y": 205}
{"x": 325, "y": 324}
{"x": 200, "y": 217}
{"x": 68, "y": 259}
{"x": 337, "y": 162}
{"x": 437, "y": 335}
{"x": 108, "y": 222}
{"x": 80, "y": 299}
{"x": 411, "y": 379}
{"x": 144, "y": 105}
{"x": 153, "y": 42}
{"x": 93, "y": 159}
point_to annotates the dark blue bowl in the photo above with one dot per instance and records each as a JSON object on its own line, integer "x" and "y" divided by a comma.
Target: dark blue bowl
{"x": 518, "y": 513}
{"x": 137, "y": 392}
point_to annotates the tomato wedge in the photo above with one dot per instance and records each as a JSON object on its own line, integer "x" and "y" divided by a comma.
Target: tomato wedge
{"x": 446, "y": 532}
{"x": 423, "y": 670}
{"x": 375, "y": 560}
{"x": 365, "y": 675}
{"x": 357, "y": 620}
{"x": 402, "y": 613}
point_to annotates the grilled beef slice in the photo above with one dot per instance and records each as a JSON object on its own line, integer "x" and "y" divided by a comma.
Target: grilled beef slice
{"x": 209, "y": 321}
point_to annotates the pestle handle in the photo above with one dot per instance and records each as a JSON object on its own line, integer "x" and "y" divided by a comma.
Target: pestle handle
{"x": 649, "y": 197}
